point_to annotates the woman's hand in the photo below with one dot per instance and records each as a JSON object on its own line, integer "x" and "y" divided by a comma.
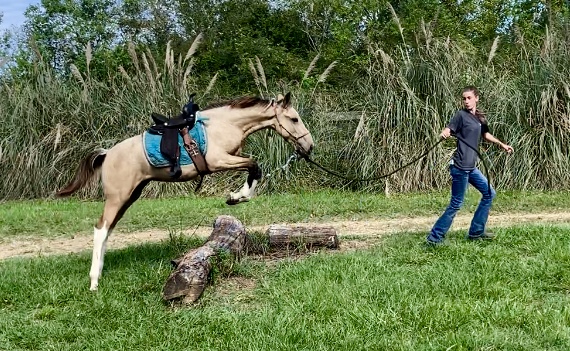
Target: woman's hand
{"x": 445, "y": 133}
{"x": 509, "y": 149}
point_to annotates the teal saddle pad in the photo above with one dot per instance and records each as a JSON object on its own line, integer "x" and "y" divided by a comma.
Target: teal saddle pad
{"x": 151, "y": 145}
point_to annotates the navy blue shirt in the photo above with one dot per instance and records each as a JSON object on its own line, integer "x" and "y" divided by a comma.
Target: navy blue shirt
{"x": 468, "y": 127}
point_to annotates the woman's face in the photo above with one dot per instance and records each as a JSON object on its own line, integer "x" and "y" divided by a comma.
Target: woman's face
{"x": 470, "y": 100}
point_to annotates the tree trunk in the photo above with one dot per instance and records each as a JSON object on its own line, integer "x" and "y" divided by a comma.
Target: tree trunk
{"x": 190, "y": 276}
{"x": 282, "y": 235}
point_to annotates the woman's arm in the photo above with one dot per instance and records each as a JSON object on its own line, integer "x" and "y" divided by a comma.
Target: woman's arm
{"x": 490, "y": 138}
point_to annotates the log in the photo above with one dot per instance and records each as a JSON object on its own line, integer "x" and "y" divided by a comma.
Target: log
{"x": 191, "y": 273}
{"x": 283, "y": 235}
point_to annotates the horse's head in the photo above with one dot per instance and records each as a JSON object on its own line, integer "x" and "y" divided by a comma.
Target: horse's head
{"x": 289, "y": 124}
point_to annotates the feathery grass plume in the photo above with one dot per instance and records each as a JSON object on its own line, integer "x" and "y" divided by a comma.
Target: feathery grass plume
{"x": 325, "y": 74}
{"x": 148, "y": 72}
{"x": 493, "y": 49}
{"x": 387, "y": 61}
{"x": 57, "y": 139}
{"x": 76, "y": 73}
{"x": 88, "y": 56}
{"x": 261, "y": 72}
{"x": 427, "y": 34}
{"x": 124, "y": 73}
{"x": 311, "y": 66}
{"x": 211, "y": 84}
{"x": 133, "y": 53}
{"x": 187, "y": 72}
{"x": 169, "y": 59}
{"x": 255, "y": 75}
{"x": 150, "y": 57}
{"x": 323, "y": 77}
{"x": 3, "y": 61}
{"x": 192, "y": 50}
{"x": 397, "y": 21}
{"x": 567, "y": 89}
{"x": 360, "y": 129}
{"x": 179, "y": 63}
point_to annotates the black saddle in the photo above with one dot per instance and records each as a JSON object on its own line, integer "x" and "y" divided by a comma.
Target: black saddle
{"x": 170, "y": 128}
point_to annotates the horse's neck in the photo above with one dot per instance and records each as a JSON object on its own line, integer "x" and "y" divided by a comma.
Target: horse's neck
{"x": 249, "y": 120}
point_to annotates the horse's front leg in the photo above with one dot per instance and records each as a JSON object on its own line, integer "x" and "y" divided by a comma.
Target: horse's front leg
{"x": 247, "y": 191}
{"x": 238, "y": 163}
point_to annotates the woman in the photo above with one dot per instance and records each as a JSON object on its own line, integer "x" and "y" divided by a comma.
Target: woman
{"x": 468, "y": 125}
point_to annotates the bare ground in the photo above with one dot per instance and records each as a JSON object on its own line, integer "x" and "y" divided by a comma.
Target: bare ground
{"x": 350, "y": 232}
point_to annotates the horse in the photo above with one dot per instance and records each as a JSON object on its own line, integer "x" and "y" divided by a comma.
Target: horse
{"x": 124, "y": 169}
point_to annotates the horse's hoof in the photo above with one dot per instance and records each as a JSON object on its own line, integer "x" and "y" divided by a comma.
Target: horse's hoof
{"x": 232, "y": 201}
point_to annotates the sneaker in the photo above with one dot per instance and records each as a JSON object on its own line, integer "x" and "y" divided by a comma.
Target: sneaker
{"x": 485, "y": 236}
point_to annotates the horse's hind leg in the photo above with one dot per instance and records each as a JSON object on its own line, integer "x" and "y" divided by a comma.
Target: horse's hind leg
{"x": 116, "y": 204}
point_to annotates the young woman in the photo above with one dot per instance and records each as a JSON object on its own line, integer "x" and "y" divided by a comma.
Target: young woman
{"x": 469, "y": 125}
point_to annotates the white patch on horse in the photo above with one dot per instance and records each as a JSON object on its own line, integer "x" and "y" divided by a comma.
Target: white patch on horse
{"x": 246, "y": 193}
{"x": 100, "y": 237}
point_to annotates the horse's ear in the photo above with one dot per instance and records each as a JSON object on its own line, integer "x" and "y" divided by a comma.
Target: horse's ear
{"x": 287, "y": 100}
{"x": 280, "y": 98}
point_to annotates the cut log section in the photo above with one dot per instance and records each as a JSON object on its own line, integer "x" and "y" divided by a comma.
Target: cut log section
{"x": 191, "y": 273}
{"x": 283, "y": 235}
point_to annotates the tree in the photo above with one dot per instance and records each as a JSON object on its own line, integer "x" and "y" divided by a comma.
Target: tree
{"x": 237, "y": 31}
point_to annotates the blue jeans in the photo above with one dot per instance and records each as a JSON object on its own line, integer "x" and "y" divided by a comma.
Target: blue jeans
{"x": 460, "y": 180}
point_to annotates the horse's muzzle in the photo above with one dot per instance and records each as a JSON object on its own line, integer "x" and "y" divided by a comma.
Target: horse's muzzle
{"x": 304, "y": 153}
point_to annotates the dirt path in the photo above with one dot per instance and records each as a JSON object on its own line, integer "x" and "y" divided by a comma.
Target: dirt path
{"x": 25, "y": 247}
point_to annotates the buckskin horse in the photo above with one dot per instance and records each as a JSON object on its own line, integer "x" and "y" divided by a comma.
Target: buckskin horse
{"x": 125, "y": 169}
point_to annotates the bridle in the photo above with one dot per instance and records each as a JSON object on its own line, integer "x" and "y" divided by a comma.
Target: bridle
{"x": 296, "y": 139}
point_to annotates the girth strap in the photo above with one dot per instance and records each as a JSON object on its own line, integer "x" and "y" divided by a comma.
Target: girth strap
{"x": 192, "y": 148}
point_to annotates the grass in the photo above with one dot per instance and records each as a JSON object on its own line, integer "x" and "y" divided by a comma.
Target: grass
{"x": 49, "y": 218}
{"x": 510, "y": 294}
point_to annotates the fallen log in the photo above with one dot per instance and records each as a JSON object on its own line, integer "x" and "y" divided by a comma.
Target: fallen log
{"x": 191, "y": 273}
{"x": 287, "y": 236}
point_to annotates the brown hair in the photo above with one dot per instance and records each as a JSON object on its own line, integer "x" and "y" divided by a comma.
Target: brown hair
{"x": 478, "y": 113}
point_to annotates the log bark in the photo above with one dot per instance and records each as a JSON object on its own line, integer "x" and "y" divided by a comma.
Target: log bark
{"x": 283, "y": 235}
{"x": 191, "y": 273}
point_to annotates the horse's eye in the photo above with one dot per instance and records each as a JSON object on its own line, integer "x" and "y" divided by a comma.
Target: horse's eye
{"x": 295, "y": 119}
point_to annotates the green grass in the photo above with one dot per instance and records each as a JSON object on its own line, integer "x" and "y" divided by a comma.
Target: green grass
{"x": 510, "y": 294}
{"x": 45, "y": 218}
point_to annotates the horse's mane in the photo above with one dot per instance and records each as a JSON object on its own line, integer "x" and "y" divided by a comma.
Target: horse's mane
{"x": 241, "y": 102}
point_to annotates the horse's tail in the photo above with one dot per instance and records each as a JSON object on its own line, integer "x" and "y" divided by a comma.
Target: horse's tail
{"x": 87, "y": 170}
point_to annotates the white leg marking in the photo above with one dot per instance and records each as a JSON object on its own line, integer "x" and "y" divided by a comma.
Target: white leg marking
{"x": 245, "y": 193}
{"x": 99, "y": 247}
{"x": 252, "y": 189}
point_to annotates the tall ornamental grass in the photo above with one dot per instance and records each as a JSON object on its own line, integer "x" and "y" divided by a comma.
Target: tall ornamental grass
{"x": 410, "y": 93}
{"x": 371, "y": 125}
